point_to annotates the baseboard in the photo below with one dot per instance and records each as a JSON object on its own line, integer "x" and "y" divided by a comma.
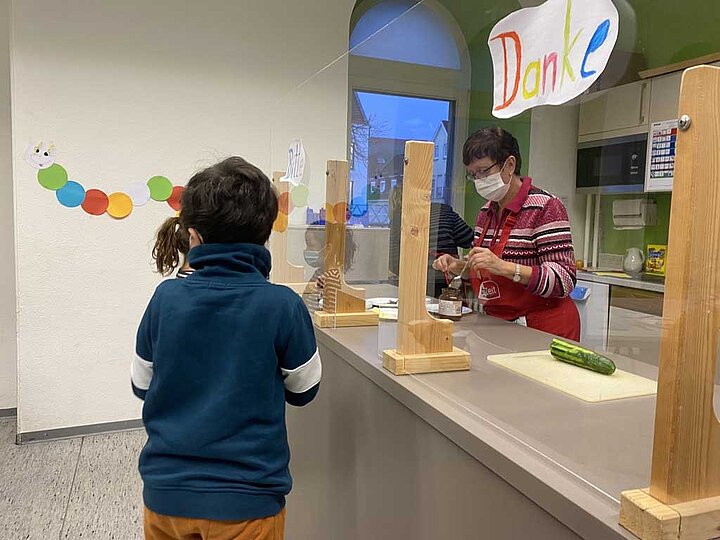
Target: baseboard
{"x": 78, "y": 431}
{"x": 7, "y": 413}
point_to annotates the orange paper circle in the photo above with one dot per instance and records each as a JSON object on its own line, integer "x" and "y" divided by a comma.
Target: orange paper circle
{"x": 281, "y": 223}
{"x": 95, "y": 203}
{"x": 174, "y": 200}
{"x": 119, "y": 205}
{"x": 340, "y": 212}
{"x": 284, "y": 203}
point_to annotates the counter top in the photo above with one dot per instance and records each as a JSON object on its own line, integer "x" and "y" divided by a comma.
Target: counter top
{"x": 570, "y": 457}
{"x": 643, "y": 282}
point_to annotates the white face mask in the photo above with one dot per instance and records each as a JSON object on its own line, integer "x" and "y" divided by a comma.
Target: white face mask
{"x": 492, "y": 187}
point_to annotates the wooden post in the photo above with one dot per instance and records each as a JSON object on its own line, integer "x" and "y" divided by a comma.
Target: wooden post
{"x": 683, "y": 501}
{"x": 284, "y": 273}
{"x": 424, "y": 343}
{"x": 343, "y": 306}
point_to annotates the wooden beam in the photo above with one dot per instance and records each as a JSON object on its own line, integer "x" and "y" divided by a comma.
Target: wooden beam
{"x": 282, "y": 271}
{"x": 686, "y": 453}
{"x": 424, "y": 344}
{"x": 342, "y": 305}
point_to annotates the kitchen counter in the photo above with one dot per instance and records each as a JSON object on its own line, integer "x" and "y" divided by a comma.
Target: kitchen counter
{"x": 363, "y": 447}
{"x": 643, "y": 282}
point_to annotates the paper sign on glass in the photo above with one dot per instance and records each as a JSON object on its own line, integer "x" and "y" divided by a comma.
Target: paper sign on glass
{"x": 296, "y": 163}
{"x": 550, "y": 54}
{"x": 660, "y": 164}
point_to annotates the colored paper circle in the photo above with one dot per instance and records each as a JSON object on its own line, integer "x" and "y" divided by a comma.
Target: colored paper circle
{"x": 284, "y": 203}
{"x": 95, "y": 203}
{"x": 299, "y": 195}
{"x": 71, "y": 195}
{"x": 340, "y": 212}
{"x": 175, "y": 197}
{"x": 160, "y": 188}
{"x": 281, "y": 223}
{"x": 53, "y": 178}
{"x": 139, "y": 192}
{"x": 119, "y": 205}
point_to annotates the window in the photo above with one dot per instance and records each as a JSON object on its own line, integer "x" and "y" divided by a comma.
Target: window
{"x": 405, "y": 31}
{"x": 445, "y": 150}
{"x": 383, "y": 184}
{"x": 393, "y": 183}
{"x": 437, "y": 153}
{"x": 373, "y": 187}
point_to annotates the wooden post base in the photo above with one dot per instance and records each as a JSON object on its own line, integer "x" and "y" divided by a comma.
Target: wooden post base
{"x": 649, "y": 519}
{"x": 323, "y": 319}
{"x": 399, "y": 364}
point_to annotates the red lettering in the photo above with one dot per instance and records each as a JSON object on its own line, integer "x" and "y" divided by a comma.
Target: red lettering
{"x": 507, "y": 101}
{"x": 551, "y": 58}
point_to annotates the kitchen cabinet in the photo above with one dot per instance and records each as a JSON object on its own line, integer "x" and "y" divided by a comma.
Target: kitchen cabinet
{"x": 635, "y": 324}
{"x": 664, "y": 97}
{"x": 594, "y": 315}
{"x": 623, "y": 110}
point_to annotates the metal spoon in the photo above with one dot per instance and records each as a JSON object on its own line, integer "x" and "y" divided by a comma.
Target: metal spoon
{"x": 456, "y": 282}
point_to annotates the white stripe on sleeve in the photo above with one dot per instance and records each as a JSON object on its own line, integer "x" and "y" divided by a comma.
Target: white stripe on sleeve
{"x": 141, "y": 373}
{"x": 303, "y": 378}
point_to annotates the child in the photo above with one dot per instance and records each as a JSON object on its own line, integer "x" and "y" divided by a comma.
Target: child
{"x": 172, "y": 240}
{"x": 314, "y": 255}
{"x": 218, "y": 355}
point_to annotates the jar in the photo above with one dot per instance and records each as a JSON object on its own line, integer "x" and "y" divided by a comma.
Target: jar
{"x": 450, "y": 304}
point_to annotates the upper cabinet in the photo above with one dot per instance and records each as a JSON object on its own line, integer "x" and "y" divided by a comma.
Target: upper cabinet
{"x": 623, "y": 110}
{"x": 665, "y": 97}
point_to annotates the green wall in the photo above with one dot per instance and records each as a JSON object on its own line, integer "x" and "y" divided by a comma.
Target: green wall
{"x": 617, "y": 242}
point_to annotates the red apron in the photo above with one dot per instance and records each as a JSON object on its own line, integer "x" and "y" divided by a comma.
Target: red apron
{"x": 511, "y": 301}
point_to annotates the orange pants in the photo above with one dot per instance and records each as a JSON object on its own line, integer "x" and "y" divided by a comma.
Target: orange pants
{"x": 159, "y": 527}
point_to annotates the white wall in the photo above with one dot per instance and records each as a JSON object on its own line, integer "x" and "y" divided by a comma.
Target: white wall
{"x": 8, "y": 357}
{"x": 127, "y": 90}
{"x": 553, "y": 161}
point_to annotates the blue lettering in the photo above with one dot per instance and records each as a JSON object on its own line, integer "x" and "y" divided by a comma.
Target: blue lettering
{"x": 598, "y": 38}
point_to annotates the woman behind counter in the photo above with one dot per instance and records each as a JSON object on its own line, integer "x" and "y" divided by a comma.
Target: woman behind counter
{"x": 522, "y": 267}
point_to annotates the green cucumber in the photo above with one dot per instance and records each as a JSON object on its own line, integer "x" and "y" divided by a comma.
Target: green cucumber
{"x": 581, "y": 357}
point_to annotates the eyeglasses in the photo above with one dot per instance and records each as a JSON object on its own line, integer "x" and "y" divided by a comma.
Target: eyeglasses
{"x": 480, "y": 174}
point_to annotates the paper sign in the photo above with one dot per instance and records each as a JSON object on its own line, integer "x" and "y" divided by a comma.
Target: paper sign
{"x": 550, "y": 54}
{"x": 296, "y": 163}
{"x": 660, "y": 170}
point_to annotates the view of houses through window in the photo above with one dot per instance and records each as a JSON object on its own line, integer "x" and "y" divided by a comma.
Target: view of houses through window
{"x": 381, "y": 125}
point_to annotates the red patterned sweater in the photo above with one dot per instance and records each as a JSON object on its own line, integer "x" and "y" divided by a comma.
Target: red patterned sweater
{"x": 540, "y": 239}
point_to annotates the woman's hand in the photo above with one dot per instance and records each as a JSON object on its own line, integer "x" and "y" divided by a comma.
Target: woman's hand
{"x": 447, "y": 263}
{"x": 484, "y": 259}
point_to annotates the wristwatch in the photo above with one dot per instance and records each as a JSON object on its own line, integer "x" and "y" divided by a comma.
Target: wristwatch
{"x": 516, "y": 277}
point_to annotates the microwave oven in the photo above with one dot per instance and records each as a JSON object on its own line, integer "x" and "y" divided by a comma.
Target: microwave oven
{"x": 615, "y": 165}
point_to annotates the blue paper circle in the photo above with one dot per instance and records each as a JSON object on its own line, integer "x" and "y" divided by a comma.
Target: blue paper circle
{"x": 71, "y": 195}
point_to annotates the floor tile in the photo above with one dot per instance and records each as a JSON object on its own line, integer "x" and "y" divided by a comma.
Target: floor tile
{"x": 106, "y": 499}
{"x": 35, "y": 485}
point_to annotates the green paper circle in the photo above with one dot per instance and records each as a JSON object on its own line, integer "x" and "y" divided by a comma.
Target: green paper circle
{"x": 160, "y": 188}
{"x": 53, "y": 178}
{"x": 299, "y": 196}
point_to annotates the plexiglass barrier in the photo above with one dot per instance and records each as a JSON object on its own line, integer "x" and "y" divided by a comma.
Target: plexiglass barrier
{"x": 378, "y": 183}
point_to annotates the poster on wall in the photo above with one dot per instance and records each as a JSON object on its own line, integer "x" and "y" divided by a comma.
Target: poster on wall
{"x": 296, "y": 163}
{"x": 660, "y": 169}
{"x": 550, "y": 54}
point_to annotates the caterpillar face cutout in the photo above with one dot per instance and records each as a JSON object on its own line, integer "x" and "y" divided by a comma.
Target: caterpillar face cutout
{"x": 40, "y": 155}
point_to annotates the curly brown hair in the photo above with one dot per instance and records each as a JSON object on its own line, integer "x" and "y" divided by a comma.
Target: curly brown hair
{"x": 171, "y": 241}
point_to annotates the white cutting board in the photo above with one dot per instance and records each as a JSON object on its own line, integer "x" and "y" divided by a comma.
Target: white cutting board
{"x": 581, "y": 383}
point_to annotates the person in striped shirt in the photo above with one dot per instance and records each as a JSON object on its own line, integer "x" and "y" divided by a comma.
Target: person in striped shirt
{"x": 522, "y": 267}
{"x": 172, "y": 242}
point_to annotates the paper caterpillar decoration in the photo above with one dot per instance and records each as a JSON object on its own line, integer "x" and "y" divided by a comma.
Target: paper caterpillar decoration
{"x": 72, "y": 194}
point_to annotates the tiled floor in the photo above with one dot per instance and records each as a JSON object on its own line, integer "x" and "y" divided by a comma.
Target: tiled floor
{"x": 86, "y": 488}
